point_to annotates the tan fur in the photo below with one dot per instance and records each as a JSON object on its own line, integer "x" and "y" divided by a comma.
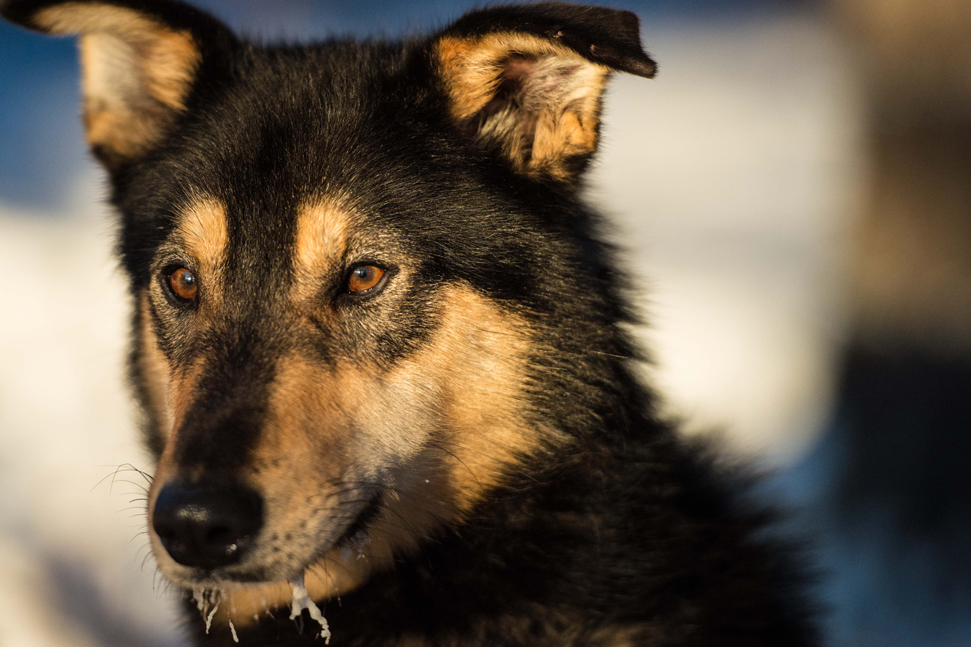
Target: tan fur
{"x": 483, "y": 352}
{"x": 155, "y": 371}
{"x": 322, "y": 227}
{"x": 181, "y": 395}
{"x": 451, "y": 414}
{"x": 469, "y": 381}
{"x": 136, "y": 73}
{"x": 473, "y": 70}
{"x": 203, "y": 233}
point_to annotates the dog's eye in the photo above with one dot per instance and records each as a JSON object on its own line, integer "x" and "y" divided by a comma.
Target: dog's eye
{"x": 363, "y": 278}
{"x": 183, "y": 284}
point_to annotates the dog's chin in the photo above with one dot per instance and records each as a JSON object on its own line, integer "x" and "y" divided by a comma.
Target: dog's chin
{"x": 252, "y": 570}
{"x": 196, "y": 578}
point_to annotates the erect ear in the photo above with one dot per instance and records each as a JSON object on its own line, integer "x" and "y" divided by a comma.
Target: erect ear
{"x": 139, "y": 59}
{"x": 527, "y": 81}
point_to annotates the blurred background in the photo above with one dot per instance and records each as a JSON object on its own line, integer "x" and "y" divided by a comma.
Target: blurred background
{"x": 793, "y": 192}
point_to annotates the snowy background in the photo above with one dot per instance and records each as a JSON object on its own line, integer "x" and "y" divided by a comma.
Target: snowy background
{"x": 733, "y": 180}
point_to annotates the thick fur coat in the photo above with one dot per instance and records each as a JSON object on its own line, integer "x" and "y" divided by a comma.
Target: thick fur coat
{"x": 381, "y": 349}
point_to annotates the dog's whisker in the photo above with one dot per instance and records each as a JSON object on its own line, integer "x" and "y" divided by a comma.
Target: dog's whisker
{"x": 336, "y": 588}
{"x": 453, "y": 455}
{"x": 145, "y": 559}
{"x": 112, "y": 476}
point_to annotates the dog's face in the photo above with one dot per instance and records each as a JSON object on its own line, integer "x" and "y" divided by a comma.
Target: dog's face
{"x": 347, "y": 261}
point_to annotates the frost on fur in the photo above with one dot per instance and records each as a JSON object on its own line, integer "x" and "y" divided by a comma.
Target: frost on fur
{"x": 356, "y": 543}
{"x": 207, "y": 601}
{"x": 301, "y": 601}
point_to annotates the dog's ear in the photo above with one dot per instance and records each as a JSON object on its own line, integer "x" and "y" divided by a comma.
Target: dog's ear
{"x": 139, "y": 59}
{"x": 527, "y": 82}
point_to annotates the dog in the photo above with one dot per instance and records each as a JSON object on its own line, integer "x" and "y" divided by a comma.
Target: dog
{"x": 382, "y": 352}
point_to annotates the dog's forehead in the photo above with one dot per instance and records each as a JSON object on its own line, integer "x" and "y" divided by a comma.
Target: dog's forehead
{"x": 298, "y": 141}
{"x": 296, "y": 120}
{"x": 302, "y": 138}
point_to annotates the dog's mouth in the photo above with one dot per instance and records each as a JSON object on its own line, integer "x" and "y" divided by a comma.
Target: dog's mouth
{"x": 359, "y": 526}
{"x": 276, "y": 556}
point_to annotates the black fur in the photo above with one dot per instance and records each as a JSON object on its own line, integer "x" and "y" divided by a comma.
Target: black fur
{"x": 634, "y": 532}
{"x": 602, "y": 35}
{"x": 626, "y": 535}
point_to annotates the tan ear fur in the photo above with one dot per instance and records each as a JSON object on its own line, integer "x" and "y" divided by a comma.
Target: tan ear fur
{"x": 553, "y": 120}
{"x": 137, "y": 74}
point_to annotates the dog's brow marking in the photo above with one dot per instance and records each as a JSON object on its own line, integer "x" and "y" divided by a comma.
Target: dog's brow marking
{"x": 321, "y": 239}
{"x": 204, "y": 232}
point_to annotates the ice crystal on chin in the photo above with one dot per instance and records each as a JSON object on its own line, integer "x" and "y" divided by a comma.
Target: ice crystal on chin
{"x": 301, "y": 601}
{"x": 208, "y": 600}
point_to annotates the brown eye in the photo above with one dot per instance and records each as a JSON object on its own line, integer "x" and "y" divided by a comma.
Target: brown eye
{"x": 364, "y": 277}
{"x": 183, "y": 284}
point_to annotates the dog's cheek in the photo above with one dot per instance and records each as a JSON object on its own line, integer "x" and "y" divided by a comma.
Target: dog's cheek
{"x": 396, "y": 412}
{"x": 165, "y": 391}
{"x": 479, "y": 363}
{"x": 153, "y": 379}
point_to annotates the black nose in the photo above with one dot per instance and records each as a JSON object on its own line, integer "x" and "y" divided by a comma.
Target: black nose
{"x": 207, "y": 525}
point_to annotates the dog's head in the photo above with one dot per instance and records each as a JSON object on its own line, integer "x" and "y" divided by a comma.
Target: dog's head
{"x": 358, "y": 268}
